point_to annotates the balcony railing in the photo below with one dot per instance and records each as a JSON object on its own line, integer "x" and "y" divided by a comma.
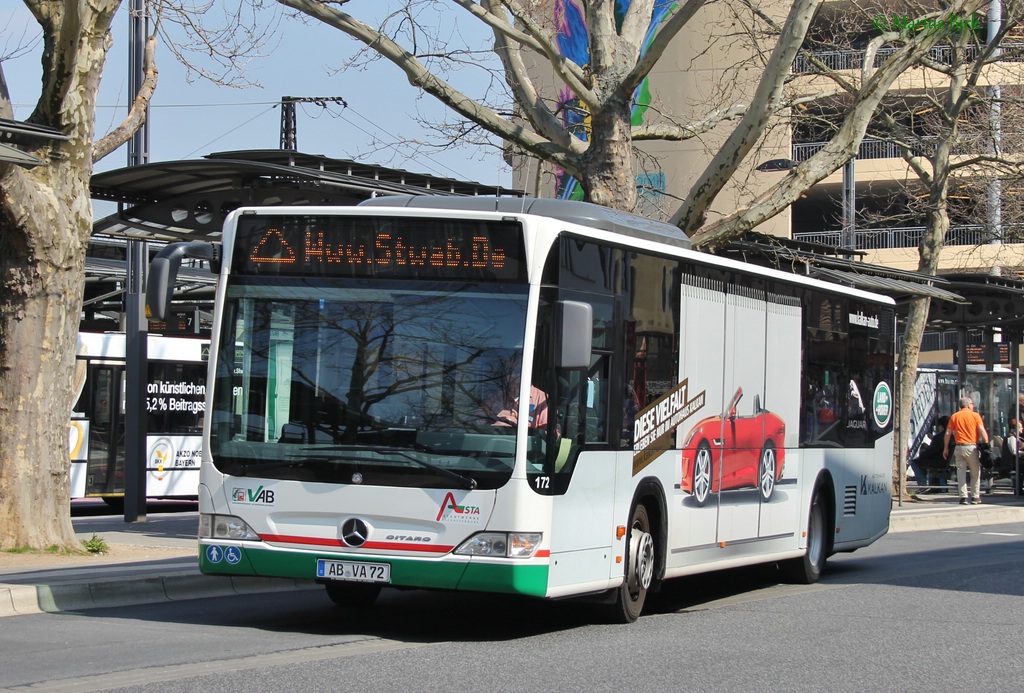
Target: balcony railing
{"x": 1012, "y": 142}
{"x": 910, "y": 237}
{"x": 853, "y": 59}
{"x": 869, "y": 149}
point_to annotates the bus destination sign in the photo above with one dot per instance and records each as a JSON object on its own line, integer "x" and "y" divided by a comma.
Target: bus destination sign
{"x": 382, "y": 247}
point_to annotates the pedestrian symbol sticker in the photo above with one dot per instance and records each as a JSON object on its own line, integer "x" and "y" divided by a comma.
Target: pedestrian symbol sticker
{"x": 232, "y": 555}
{"x": 214, "y": 554}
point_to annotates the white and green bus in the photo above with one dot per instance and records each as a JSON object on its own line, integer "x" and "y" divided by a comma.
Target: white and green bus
{"x": 527, "y": 396}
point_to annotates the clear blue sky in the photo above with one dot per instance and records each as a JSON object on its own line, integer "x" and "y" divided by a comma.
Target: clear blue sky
{"x": 190, "y": 120}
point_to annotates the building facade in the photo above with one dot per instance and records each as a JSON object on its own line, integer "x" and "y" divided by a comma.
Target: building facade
{"x": 877, "y": 204}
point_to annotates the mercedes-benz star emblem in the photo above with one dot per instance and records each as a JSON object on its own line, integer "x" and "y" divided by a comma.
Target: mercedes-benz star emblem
{"x": 354, "y": 532}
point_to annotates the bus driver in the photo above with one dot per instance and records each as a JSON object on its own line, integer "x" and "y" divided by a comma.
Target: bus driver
{"x": 538, "y": 411}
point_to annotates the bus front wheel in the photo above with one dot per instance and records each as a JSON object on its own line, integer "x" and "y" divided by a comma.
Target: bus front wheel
{"x": 630, "y": 596}
{"x": 353, "y": 595}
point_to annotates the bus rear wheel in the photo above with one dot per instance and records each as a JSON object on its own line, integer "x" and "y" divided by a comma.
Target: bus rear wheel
{"x": 808, "y": 568}
{"x": 353, "y": 595}
{"x": 115, "y": 503}
{"x": 631, "y": 595}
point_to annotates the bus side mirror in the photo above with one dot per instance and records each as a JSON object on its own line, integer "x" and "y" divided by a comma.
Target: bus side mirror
{"x": 163, "y": 273}
{"x": 576, "y": 335}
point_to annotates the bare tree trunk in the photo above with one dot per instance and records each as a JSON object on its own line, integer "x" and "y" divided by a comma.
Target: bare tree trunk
{"x": 910, "y": 356}
{"x": 40, "y": 304}
{"x": 910, "y": 353}
{"x": 608, "y": 176}
{"x": 45, "y": 224}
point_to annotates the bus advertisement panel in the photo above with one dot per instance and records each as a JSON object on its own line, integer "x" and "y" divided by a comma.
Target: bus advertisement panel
{"x": 175, "y": 408}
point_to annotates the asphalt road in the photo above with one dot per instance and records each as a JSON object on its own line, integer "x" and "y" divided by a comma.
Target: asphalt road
{"x": 932, "y": 610}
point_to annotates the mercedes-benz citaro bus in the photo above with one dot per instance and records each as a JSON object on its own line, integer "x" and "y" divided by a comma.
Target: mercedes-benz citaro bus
{"x": 528, "y": 396}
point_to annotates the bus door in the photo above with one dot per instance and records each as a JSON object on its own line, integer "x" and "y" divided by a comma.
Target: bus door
{"x": 743, "y": 442}
{"x": 759, "y": 470}
{"x": 105, "y": 468}
{"x": 701, "y": 365}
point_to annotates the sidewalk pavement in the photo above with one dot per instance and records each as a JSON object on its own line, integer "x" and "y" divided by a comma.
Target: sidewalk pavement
{"x": 97, "y": 582}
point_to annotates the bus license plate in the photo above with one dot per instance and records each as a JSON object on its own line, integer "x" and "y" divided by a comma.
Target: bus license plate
{"x": 355, "y": 571}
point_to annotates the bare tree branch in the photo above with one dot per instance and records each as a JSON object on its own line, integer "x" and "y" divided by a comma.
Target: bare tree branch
{"x": 137, "y": 114}
{"x": 530, "y": 103}
{"x": 678, "y": 133}
{"x": 767, "y": 98}
{"x": 420, "y": 76}
{"x": 840, "y": 149}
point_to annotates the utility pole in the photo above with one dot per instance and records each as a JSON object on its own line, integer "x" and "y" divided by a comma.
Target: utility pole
{"x": 136, "y": 358}
{"x": 289, "y": 131}
{"x": 289, "y": 127}
{"x": 995, "y": 185}
{"x": 849, "y": 235}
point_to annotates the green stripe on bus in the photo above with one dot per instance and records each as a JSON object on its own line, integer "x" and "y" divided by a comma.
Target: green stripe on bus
{"x": 527, "y": 579}
{"x": 482, "y": 577}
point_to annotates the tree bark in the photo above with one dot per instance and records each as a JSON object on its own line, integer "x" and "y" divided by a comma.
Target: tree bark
{"x": 42, "y": 255}
{"x": 608, "y": 171}
{"x": 961, "y": 79}
{"x": 45, "y": 224}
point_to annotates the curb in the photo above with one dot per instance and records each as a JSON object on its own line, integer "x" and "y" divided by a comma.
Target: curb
{"x": 23, "y": 600}
{"x": 951, "y": 518}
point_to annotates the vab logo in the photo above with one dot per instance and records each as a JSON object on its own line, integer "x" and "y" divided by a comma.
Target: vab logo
{"x": 459, "y": 513}
{"x": 259, "y": 496}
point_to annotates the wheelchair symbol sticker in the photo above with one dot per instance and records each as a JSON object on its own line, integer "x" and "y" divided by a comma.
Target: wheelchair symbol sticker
{"x": 232, "y": 555}
{"x": 214, "y": 554}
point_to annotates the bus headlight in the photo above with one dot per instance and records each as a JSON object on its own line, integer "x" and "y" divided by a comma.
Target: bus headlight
{"x": 225, "y": 527}
{"x": 501, "y": 544}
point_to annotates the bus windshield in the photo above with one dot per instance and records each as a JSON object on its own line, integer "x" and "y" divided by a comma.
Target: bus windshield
{"x": 397, "y": 383}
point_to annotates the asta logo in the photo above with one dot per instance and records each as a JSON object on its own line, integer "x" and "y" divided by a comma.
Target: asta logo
{"x": 460, "y": 513}
{"x": 258, "y": 496}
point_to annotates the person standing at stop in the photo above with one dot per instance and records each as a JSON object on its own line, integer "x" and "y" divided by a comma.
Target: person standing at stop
{"x": 967, "y": 428}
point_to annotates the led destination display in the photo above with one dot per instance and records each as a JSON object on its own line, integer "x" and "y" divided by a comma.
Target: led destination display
{"x": 382, "y": 247}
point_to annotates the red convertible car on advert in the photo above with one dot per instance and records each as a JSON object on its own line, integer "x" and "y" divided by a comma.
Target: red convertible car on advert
{"x": 739, "y": 452}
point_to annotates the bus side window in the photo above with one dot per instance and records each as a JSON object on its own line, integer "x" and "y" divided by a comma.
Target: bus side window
{"x": 598, "y": 393}
{"x": 571, "y": 417}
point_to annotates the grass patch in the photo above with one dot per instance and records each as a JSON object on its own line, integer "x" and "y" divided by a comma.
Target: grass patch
{"x": 52, "y": 550}
{"x": 96, "y": 545}
{"x": 20, "y": 549}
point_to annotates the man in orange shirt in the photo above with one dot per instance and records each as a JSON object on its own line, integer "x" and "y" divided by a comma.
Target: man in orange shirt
{"x": 968, "y": 429}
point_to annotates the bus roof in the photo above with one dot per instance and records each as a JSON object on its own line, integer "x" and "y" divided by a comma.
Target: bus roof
{"x": 583, "y": 213}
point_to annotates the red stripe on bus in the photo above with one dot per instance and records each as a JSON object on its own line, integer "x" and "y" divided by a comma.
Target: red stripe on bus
{"x": 378, "y": 545}
{"x": 425, "y": 548}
